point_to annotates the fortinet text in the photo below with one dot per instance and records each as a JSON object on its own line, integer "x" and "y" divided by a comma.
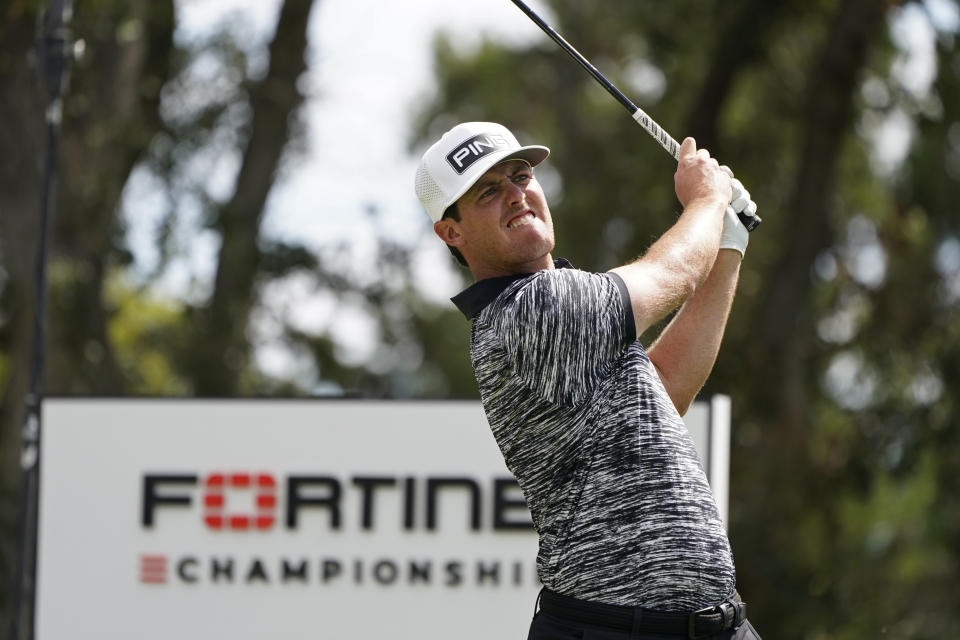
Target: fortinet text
{"x": 418, "y": 500}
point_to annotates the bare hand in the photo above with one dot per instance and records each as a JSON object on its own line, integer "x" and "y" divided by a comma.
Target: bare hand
{"x": 699, "y": 176}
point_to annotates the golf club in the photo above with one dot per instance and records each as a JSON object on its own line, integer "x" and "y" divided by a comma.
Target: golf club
{"x": 748, "y": 216}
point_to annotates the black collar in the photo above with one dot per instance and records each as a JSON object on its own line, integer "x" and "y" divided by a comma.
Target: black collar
{"x": 474, "y": 298}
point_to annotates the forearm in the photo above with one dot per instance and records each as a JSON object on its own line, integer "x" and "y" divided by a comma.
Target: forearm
{"x": 687, "y": 348}
{"x": 689, "y": 247}
{"x": 675, "y": 266}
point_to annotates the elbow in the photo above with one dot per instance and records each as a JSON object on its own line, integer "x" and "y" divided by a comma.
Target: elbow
{"x": 690, "y": 271}
{"x": 680, "y": 397}
{"x": 688, "y": 279}
{"x": 682, "y": 405}
{"x": 678, "y": 389}
{"x": 688, "y": 285}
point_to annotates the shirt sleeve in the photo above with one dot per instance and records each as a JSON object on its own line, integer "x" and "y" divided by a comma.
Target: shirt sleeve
{"x": 563, "y": 329}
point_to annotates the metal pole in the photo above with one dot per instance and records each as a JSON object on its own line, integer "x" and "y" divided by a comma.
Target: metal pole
{"x": 53, "y": 42}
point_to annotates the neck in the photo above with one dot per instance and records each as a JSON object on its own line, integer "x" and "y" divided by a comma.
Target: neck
{"x": 484, "y": 271}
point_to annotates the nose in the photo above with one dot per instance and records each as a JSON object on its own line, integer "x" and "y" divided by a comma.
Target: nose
{"x": 515, "y": 193}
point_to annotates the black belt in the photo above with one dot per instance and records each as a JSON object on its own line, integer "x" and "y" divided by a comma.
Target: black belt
{"x": 699, "y": 624}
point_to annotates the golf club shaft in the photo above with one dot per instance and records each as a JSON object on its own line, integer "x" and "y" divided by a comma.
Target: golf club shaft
{"x": 651, "y": 127}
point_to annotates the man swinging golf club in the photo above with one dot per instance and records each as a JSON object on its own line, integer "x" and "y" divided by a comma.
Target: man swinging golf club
{"x": 587, "y": 419}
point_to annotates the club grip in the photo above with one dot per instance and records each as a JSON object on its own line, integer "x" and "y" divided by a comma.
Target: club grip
{"x": 741, "y": 200}
{"x": 750, "y": 220}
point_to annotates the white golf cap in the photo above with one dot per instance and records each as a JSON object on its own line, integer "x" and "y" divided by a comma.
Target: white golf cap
{"x": 455, "y": 162}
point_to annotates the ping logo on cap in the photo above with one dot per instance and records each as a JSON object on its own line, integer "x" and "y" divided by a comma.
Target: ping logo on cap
{"x": 475, "y": 148}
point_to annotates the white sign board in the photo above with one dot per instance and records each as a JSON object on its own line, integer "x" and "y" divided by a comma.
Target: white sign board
{"x": 282, "y": 519}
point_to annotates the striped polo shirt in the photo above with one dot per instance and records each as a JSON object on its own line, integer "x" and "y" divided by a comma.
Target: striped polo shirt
{"x": 616, "y": 490}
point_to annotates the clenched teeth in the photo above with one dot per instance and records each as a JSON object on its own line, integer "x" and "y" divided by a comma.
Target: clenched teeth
{"x": 526, "y": 218}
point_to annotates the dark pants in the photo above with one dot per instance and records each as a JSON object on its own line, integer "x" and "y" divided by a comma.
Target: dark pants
{"x": 548, "y": 627}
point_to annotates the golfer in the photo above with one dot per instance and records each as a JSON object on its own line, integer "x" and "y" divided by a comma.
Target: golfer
{"x": 587, "y": 419}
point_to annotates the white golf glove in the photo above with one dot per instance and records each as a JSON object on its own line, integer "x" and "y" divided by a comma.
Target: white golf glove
{"x": 734, "y": 234}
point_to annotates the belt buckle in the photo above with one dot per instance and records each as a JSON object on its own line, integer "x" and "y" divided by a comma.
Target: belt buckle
{"x": 692, "y": 622}
{"x": 727, "y": 611}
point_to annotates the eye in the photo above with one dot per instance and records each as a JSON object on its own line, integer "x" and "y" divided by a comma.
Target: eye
{"x": 488, "y": 192}
{"x": 522, "y": 176}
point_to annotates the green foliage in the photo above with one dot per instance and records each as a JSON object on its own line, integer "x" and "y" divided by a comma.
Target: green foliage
{"x": 144, "y": 332}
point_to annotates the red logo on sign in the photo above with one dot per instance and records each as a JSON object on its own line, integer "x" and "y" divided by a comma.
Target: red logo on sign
{"x": 264, "y": 499}
{"x": 153, "y": 569}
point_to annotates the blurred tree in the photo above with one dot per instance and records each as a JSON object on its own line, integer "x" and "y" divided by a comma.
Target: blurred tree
{"x": 177, "y": 115}
{"x": 219, "y": 348}
{"x": 111, "y": 115}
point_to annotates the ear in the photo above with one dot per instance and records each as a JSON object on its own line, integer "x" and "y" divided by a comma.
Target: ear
{"x": 448, "y": 230}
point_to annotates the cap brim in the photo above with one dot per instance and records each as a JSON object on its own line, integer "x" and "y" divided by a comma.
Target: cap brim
{"x": 534, "y": 154}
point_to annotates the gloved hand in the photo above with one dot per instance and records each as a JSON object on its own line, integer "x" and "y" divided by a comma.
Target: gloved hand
{"x": 734, "y": 234}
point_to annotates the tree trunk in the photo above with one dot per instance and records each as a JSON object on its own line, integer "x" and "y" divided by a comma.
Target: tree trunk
{"x": 220, "y": 352}
{"x": 110, "y": 118}
{"x": 784, "y": 369}
{"x": 787, "y": 323}
{"x": 739, "y": 43}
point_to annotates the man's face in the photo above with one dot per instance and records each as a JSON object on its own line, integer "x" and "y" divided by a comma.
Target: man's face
{"x": 505, "y": 225}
